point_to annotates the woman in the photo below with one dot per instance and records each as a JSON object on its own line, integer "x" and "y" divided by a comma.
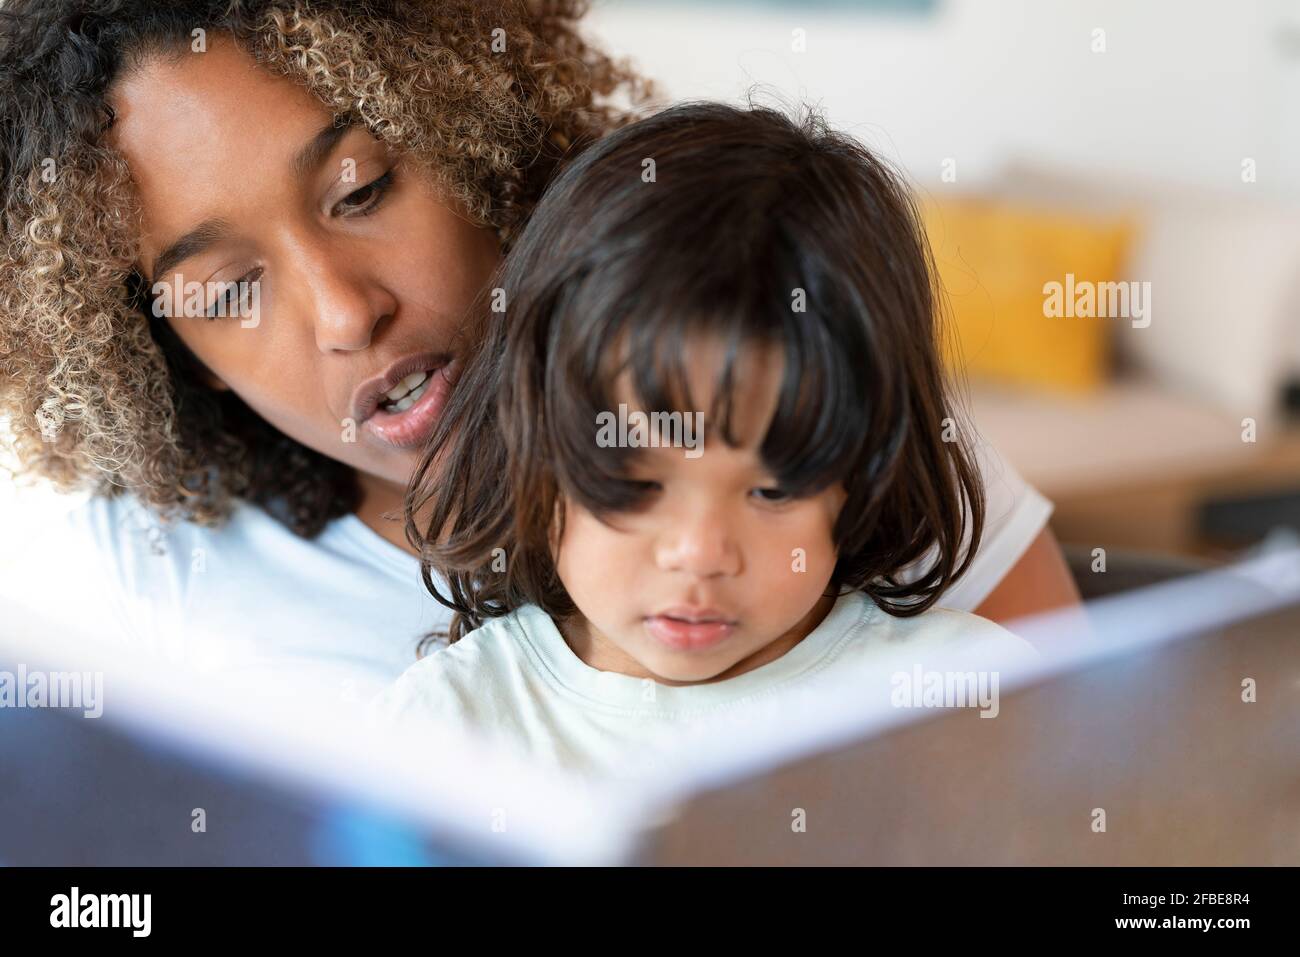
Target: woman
{"x": 360, "y": 168}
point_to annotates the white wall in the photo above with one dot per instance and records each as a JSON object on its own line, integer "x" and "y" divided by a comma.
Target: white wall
{"x": 1185, "y": 90}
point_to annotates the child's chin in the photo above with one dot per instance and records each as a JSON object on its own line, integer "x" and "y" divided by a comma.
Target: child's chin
{"x": 683, "y": 667}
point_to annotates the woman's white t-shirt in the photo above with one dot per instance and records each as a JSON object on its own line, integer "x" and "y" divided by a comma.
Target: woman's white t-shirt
{"x": 346, "y": 609}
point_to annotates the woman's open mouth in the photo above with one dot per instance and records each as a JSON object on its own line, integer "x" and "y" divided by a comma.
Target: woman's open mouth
{"x": 407, "y": 413}
{"x": 406, "y": 393}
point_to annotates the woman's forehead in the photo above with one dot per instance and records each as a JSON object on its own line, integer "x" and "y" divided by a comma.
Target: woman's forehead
{"x": 201, "y": 130}
{"x": 205, "y": 101}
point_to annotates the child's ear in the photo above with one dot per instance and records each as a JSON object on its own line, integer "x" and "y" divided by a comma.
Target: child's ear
{"x": 555, "y": 533}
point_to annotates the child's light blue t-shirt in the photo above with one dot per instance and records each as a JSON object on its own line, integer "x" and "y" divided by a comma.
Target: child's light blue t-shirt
{"x": 516, "y": 681}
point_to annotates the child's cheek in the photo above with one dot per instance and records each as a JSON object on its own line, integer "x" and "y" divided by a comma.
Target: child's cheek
{"x": 803, "y": 558}
{"x": 832, "y": 501}
{"x": 589, "y": 559}
{"x": 570, "y": 550}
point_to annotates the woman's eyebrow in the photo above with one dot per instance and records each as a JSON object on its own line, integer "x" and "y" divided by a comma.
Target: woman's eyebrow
{"x": 206, "y": 234}
{"x": 320, "y": 145}
{"x": 211, "y": 231}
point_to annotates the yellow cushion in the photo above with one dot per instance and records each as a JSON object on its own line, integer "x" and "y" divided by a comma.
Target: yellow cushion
{"x": 994, "y": 260}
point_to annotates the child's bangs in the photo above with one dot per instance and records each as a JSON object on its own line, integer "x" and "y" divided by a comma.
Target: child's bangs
{"x": 833, "y": 410}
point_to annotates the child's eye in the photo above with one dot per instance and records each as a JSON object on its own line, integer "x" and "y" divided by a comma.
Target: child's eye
{"x": 634, "y": 495}
{"x": 773, "y": 496}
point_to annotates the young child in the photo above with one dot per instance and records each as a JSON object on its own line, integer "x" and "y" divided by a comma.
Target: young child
{"x": 703, "y": 436}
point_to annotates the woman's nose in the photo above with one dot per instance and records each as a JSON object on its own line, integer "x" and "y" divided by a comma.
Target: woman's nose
{"x": 344, "y": 297}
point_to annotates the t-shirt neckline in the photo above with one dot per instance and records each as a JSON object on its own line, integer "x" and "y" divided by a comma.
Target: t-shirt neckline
{"x": 629, "y": 694}
{"x": 401, "y": 561}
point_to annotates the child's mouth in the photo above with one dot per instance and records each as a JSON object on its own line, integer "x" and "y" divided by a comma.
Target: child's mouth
{"x": 687, "y": 632}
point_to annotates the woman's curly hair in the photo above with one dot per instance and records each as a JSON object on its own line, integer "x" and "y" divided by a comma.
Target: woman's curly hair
{"x": 98, "y": 394}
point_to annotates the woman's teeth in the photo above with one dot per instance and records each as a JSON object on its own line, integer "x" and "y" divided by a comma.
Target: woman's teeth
{"x": 406, "y": 393}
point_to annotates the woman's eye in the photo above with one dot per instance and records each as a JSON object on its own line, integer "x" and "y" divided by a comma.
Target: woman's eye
{"x": 365, "y": 200}
{"x": 234, "y": 299}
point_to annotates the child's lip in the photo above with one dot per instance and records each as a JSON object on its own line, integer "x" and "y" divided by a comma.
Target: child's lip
{"x": 695, "y": 613}
{"x": 690, "y": 627}
{"x": 689, "y": 634}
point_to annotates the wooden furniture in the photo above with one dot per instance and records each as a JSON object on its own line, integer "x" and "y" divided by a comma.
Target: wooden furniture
{"x": 1133, "y": 465}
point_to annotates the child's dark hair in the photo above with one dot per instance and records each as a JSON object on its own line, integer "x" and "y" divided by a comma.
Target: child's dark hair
{"x": 748, "y": 227}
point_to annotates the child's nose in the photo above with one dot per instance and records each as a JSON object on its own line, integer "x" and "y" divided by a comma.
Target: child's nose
{"x": 704, "y": 547}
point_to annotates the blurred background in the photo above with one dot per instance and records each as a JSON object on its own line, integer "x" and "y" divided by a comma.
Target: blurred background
{"x": 1148, "y": 152}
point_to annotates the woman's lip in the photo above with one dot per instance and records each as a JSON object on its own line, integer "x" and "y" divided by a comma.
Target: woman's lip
{"x": 412, "y": 427}
{"x": 369, "y": 394}
{"x": 688, "y": 635}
